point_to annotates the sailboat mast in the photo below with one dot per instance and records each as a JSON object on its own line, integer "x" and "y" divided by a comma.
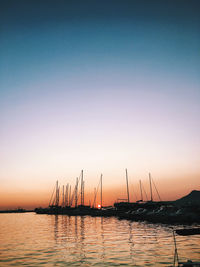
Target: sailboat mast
{"x": 70, "y": 196}
{"x": 63, "y": 195}
{"x": 76, "y": 193}
{"x": 58, "y": 199}
{"x": 83, "y": 191}
{"x": 127, "y": 185}
{"x": 57, "y": 194}
{"x": 94, "y": 203}
{"x": 101, "y": 192}
{"x": 82, "y": 188}
{"x": 150, "y": 186}
{"x": 141, "y": 191}
{"x": 66, "y": 195}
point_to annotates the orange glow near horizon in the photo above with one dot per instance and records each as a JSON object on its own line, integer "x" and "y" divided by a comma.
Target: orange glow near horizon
{"x": 169, "y": 189}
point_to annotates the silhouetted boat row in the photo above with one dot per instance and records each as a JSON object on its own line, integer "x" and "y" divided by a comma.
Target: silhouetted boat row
{"x": 156, "y": 212}
{"x": 161, "y": 212}
{"x": 79, "y": 211}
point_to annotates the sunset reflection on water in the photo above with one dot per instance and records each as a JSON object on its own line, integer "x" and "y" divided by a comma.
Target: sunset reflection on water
{"x": 68, "y": 240}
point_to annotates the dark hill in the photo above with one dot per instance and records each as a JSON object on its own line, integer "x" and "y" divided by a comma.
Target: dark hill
{"x": 192, "y": 198}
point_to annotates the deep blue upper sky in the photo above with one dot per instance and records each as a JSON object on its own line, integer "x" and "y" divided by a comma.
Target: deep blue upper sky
{"x": 130, "y": 36}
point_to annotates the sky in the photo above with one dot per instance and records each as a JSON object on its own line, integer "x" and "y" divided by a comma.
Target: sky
{"x": 100, "y": 86}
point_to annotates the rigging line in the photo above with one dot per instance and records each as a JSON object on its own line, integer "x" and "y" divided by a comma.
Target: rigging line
{"x": 145, "y": 193}
{"x": 141, "y": 191}
{"x": 96, "y": 192}
{"x": 72, "y": 197}
{"x": 79, "y": 180}
{"x": 95, "y": 196}
{"x": 58, "y": 197}
{"x": 78, "y": 196}
{"x": 54, "y": 200}
{"x": 134, "y": 192}
{"x": 66, "y": 194}
{"x": 156, "y": 190}
{"x": 79, "y": 176}
{"x": 52, "y": 195}
{"x": 98, "y": 184}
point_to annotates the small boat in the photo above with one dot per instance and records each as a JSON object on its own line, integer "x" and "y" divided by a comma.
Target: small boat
{"x": 189, "y": 264}
{"x": 184, "y": 232}
{"x": 188, "y": 231}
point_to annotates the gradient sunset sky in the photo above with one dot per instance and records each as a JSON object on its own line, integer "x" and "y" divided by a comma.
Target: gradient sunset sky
{"x": 99, "y": 86}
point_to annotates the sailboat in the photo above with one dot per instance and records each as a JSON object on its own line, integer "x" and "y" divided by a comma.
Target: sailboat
{"x": 184, "y": 232}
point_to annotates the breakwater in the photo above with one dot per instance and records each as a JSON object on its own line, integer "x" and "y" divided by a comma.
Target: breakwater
{"x": 16, "y": 211}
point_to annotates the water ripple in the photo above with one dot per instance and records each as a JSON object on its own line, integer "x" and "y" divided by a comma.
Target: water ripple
{"x": 50, "y": 240}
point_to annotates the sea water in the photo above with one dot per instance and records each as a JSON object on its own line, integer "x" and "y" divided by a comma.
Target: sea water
{"x": 60, "y": 240}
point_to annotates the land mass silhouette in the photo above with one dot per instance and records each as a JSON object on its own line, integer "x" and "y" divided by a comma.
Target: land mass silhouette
{"x": 193, "y": 198}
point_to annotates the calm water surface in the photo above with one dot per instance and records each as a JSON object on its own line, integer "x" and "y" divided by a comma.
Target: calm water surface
{"x": 60, "y": 240}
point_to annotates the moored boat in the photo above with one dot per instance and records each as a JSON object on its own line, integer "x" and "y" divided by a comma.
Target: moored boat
{"x": 184, "y": 232}
{"x": 188, "y": 231}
